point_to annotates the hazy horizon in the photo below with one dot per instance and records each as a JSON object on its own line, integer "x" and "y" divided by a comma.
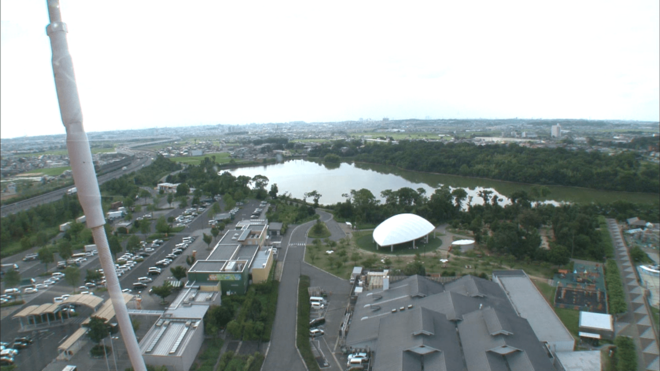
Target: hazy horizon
{"x": 162, "y": 64}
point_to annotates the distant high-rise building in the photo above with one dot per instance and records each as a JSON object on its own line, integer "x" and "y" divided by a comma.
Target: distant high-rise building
{"x": 555, "y": 131}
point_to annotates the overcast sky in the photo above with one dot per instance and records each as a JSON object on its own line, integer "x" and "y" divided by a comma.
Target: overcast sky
{"x": 143, "y": 64}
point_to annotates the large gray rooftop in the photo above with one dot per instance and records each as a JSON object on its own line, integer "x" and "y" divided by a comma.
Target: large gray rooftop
{"x": 531, "y": 305}
{"x": 429, "y": 319}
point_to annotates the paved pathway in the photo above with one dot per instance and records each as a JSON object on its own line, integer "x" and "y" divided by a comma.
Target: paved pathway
{"x": 336, "y": 232}
{"x": 282, "y": 353}
{"x": 636, "y": 323}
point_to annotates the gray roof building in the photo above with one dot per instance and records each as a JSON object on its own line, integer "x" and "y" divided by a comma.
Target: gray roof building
{"x": 468, "y": 324}
{"x": 531, "y": 305}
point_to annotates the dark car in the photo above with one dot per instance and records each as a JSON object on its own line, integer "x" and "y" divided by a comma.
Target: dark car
{"x": 24, "y": 339}
{"x": 19, "y": 345}
{"x": 317, "y": 321}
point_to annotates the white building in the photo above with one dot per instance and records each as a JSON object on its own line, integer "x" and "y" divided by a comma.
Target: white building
{"x": 555, "y": 131}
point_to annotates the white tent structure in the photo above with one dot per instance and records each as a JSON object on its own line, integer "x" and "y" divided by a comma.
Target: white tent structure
{"x": 402, "y": 228}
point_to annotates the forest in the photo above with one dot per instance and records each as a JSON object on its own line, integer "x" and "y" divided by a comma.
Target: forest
{"x": 512, "y": 162}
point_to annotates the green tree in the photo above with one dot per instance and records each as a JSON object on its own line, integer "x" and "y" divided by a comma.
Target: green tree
{"x": 133, "y": 244}
{"x": 215, "y": 232}
{"x": 190, "y": 260}
{"x": 207, "y": 239}
{"x": 355, "y": 256}
{"x": 115, "y": 246}
{"x": 45, "y": 256}
{"x": 98, "y": 329}
{"x": 235, "y": 329}
{"x": 163, "y": 291}
{"x": 64, "y": 249}
{"x": 26, "y": 244}
{"x": 414, "y": 267}
{"x": 92, "y": 275}
{"x": 144, "y": 194}
{"x": 72, "y": 276}
{"x": 145, "y": 226}
{"x": 183, "y": 202}
{"x": 162, "y": 226}
{"x": 215, "y": 209}
{"x": 170, "y": 198}
{"x": 12, "y": 279}
{"x": 182, "y": 190}
{"x": 273, "y": 191}
{"x": 315, "y": 196}
{"x": 178, "y": 272}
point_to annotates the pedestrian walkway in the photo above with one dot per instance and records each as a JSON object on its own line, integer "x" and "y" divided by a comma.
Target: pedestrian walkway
{"x": 642, "y": 330}
{"x": 297, "y": 244}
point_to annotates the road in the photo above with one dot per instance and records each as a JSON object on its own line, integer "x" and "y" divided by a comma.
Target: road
{"x": 57, "y": 194}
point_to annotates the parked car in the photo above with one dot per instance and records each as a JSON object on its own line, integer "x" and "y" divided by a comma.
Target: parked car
{"x": 315, "y": 332}
{"x": 19, "y": 345}
{"x": 139, "y": 285}
{"x": 24, "y": 339}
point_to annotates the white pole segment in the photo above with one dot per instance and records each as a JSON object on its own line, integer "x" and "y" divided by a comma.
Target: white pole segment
{"x": 84, "y": 175}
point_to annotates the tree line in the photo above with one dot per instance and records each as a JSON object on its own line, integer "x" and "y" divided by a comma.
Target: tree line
{"x": 512, "y": 162}
{"x": 514, "y": 229}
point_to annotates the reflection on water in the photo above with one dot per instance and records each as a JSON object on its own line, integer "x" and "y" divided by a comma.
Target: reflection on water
{"x": 331, "y": 181}
{"x": 299, "y": 176}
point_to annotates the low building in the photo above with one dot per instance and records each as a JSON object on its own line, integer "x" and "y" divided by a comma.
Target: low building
{"x": 468, "y": 324}
{"x": 531, "y": 305}
{"x": 228, "y": 266}
{"x": 167, "y": 187}
{"x": 177, "y": 336}
{"x": 596, "y": 326}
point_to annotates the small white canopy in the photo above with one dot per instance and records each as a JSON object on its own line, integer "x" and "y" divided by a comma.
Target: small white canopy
{"x": 402, "y": 228}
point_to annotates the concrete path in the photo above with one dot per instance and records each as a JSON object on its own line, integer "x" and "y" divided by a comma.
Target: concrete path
{"x": 282, "y": 352}
{"x": 637, "y": 321}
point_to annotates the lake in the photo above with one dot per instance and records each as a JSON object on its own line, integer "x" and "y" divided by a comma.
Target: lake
{"x": 300, "y": 176}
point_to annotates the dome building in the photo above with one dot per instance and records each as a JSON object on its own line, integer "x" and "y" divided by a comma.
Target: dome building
{"x": 402, "y": 228}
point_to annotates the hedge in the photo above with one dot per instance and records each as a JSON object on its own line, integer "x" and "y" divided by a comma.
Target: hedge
{"x": 302, "y": 340}
{"x": 615, "y": 294}
{"x": 626, "y": 356}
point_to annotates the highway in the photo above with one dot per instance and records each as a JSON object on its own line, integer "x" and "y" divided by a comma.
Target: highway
{"x": 57, "y": 194}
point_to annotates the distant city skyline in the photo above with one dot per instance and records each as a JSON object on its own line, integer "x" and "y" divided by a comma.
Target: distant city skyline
{"x": 152, "y": 64}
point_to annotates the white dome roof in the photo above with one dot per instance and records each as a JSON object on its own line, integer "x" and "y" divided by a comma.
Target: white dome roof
{"x": 402, "y": 228}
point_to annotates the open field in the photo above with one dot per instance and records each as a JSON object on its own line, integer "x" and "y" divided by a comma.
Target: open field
{"x": 53, "y": 171}
{"x": 220, "y": 158}
{"x": 64, "y": 152}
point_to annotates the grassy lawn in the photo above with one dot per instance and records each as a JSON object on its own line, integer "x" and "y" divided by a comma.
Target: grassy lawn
{"x": 319, "y": 230}
{"x": 53, "y": 171}
{"x": 64, "y": 152}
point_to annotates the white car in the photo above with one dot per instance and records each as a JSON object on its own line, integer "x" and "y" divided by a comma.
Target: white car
{"x": 50, "y": 281}
{"x": 57, "y": 274}
{"x": 315, "y": 332}
{"x": 30, "y": 290}
{"x": 86, "y": 293}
